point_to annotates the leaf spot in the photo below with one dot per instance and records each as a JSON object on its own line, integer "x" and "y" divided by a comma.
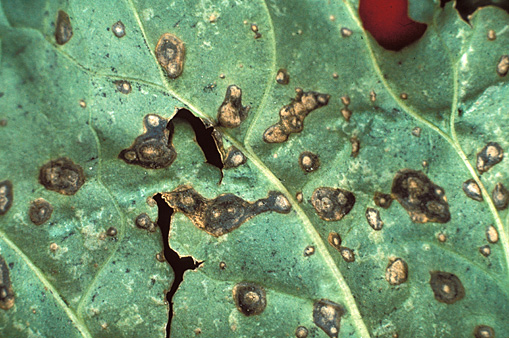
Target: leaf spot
{"x": 484, "y": 331}
{"x": 63, "y": 29}
{"x": 40, "y": 211}
{"x": 118, "y": 29}
{"x": 62, "y": 175}
{"x": 503, "y": 65}
{"x": 396, "y": 272}
{"x": 309, "y": 161}
{"x": 327, "y": 316}
{"x": 472, "y": 190}
{"x": 170, "y": 53}
{"x": 500, "y": 196}
{"x": 231, "y": 113}
{"x": 6, "y": 196}
{"x": 490, "y": 155}
{"x": 6, "y": 292}
{"x": 332, "y": 204}
{"x": 249, "y": 298}
{"x": 446, "y": 287}
{"x": 373, "y": 218}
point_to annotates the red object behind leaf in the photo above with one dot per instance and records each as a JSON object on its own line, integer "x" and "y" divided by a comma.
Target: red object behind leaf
{"x": 388, "y": 22}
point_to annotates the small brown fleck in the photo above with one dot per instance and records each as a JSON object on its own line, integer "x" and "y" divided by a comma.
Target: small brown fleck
{"x": 282, "y": 76}
{"x": 197, "y": 331}
{"x": 254, "y": 28}
{"x": 500, "y": 196}
{"x": 170, "y": 53}
{"x": 492, "y": 35}
{"x": 3, "y": 122}
{"x": 222, "y": 265}
{"x": 53, "y": 247}
{"x": 301, "y": 332}
{"x": 309, "y": 250}
{"x": 154, "y": 148}
{"x": 347, "y": 113}
{"x": 160, "y": 257}
{"x": 222, "y": 76}
{"x": 490, "y": 155}
{"x": 62, "y": 175}
{"x": 63, "y": 29}
{"x": 332, "y": 18}
{"x": 299, "y": 196}
{"x": 503, "y": 65}
{"x": 356, "y": 146}
{"x": 485, "y": 250}
{"x": 213, "y": 18}
{"x": 327, "y": 316}
{"x": 332, "y": 204}
{"x": 345, "y": 100}
{"x": 112, "y": 231}
{"x": 6, "y": 292}
{"x": 423, "y": 200}
{"x": 373, "y": 218}
{"x": 335, "y": 75}
{"x": 40, "y": 211}
{"x": 446, "y": 287}
{"x": 416, "y": 131}
{"x": 403, "y": 96}
{"x": 347, "y": 254}
{"x": 83, "y": 104}
{"x": 231, "y": 113}
{"x": 472, "y": 190}
{"x": 6, "y": 196}
{"x": 118, "y": 29}
{"x": 249, "y": 298}
{"x": 123, "y": 87}
{"x": 484, "y": 331}
{"x": 442, "y": 238}
{"x": 292, "y": 116}
{"x": 345, "y": 32}
{"x": 334, "y": 240}
{"x": 382, "y": 200}
{"x": 143, "y": 221}
{"x": 396, "y": 272}
{"x": 309, "y": 161}
{"x": 234, "y": 158}
{"x": 372, "y": 96}
{"x": 491, "y": 234}
{"x": 425, "y": 164}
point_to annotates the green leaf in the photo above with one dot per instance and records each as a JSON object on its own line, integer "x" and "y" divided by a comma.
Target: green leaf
{"x": 62, "y": 100}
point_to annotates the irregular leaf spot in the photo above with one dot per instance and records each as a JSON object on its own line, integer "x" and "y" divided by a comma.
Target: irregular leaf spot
{"x": 231, "y": 113}
{"x": 6, "y": 196}
{"x": 347, "y": 254}
{"x": 234, "y": 158}
{"x": 249, "y": 298}
{"x": 6, "y": 291}
{"x": 472, "y": 190}
{"x": 301, "y": 332}
{"x": 40, "y": 211}
{"x": 422, "y": 199}
{"x": 292, "y": 116}
{"x": 485, "y": 250}
{"x": 118, "y": 29}
{"x": 446, "y": 286}
{"x": 382, "y": 200}
{"x": 347, "y": 113}
{"x": 327, "y": 316}
{"x": 503, "y": 65}
{"x": 282, "y": 76}
{"x": 224, "y": 213}
{"x": 492, "y": 234}
{"x": 123, "y": 87}
{"x": 62, "y": 175}
{"x": 63, "y": 29}
{"x": 309, "y": 250}
{"x": 484, "y": 331}
{"x": 396, "y": 272}
{"x": 356, "y": 146}
{"x": 490, "y": 155}
{"x": 309, "y": 161}
{"x": 143, "y": 221}
{"x": 153, "y": 149}
{"x": 373, "y": 218}
{"x": 334, "y": 240}
{"x": 170, "y": 53}
{"x": 332, "y": 204}
{"x": 500, "y": 196}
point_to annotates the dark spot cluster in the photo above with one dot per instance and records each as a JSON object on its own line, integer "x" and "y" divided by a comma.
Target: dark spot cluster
{"x": 500, "y": 196}
{"x": 6, "y": 196}
{"x": 420, "y": 197}
{"x": 123, "y": 87}
{"x": 282, "y": 76}
{"x": 490, "y": 155}
{"x": 63, "y": 29}
{"x": 309, "y": 161}
{"x": 153, "y": 149}
{"x": 374, "y": 219}
{"x": 382, "y": 200}
{"x": 446, "y": 287}
{"x": 143, "y": 221}
{"x": 170, "y": 53}
{"x": 249, "y": 298}
{"x": 6, "y": 291}
{"x": 472, "y": 190}
{"x": 327, "y": 316}
{"x": 396, "y": 272}
{"x": 292, "y": 116}
{"x": 231, "y": 113}
{"x": 224, "y": 213}
{"x": 62, "y": 175}
{"x": 40, "y": 211}
{"x": 332, "y": 204}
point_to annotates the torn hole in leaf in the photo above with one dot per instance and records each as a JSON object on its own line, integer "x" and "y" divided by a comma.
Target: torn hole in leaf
{"x": 467, "y": 8}
{"x": 178, "y": 264}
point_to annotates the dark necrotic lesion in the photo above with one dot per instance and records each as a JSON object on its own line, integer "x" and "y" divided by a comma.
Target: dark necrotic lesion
{"x": 7, "y": 296}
